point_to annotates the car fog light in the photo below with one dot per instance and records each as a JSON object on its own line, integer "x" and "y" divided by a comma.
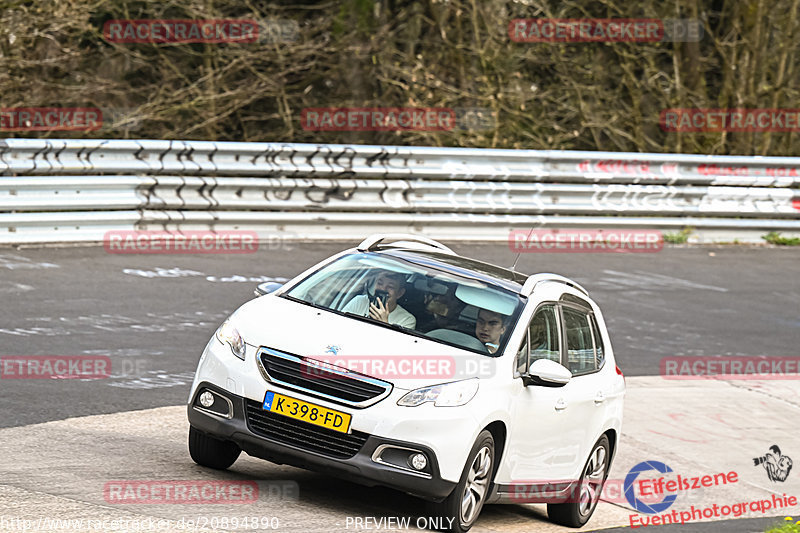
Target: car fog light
{"x": 206, "y": 399}
{"x": 418, "y": 461}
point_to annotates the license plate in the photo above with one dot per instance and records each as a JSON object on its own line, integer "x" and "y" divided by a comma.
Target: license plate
{"x": 307, "y": 412}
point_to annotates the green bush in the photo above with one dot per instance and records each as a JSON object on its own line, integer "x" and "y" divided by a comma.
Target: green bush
{"x": 773, "y": 237}
{"x": 678, "y": 238}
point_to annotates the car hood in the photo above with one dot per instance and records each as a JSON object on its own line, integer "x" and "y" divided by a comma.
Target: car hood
{"x": 407, "y": 361}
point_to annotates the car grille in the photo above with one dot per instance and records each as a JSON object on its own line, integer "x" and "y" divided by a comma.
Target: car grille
{"x": 340, "y": 386}
{"x": 303, "y": 435}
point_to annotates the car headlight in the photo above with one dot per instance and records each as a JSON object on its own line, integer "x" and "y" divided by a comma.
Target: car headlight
{"x": 227, "y": 334}
{"x": 446, "y": 395}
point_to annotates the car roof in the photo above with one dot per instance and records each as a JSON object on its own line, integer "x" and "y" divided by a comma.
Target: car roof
{"x": 423, "y": 250}
{"x": 464, "y": 266}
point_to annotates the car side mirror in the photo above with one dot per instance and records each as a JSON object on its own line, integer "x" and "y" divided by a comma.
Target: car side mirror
{"x": 267, "y": 287}
{"x": 546, "y": 373}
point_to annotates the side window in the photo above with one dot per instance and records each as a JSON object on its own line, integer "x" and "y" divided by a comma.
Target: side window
{"x": 580, "y": 348}
{"x": 522, "y": 355}
{"x": 543, "y": 335}
{"x": 598, "y": 343}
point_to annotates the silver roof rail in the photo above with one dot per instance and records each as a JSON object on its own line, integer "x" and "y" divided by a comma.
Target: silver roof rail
{"x": 535, "y": 279}
{"x": 402, "y": 240}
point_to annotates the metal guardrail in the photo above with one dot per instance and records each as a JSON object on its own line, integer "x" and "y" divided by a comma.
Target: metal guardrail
{"x": 76, "y": 190}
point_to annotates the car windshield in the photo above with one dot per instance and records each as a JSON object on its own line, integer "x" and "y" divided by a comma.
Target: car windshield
{"x": 420, "y": 300}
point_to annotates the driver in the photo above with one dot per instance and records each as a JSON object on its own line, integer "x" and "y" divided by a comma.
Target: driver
{"x": 393, "y": 285}
{"x": 489, "y": 327}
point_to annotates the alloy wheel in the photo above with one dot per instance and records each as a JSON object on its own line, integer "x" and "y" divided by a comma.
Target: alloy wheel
{"x": 592, "y": 483}
{"x": 477, "y": 485}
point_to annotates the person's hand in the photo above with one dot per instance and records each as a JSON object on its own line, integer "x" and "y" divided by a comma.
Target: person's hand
{"x": 378, "y": 311}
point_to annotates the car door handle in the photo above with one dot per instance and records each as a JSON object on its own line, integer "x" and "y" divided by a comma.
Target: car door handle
{"x": 600, "y": 398}
{"x": 560, "y": 404}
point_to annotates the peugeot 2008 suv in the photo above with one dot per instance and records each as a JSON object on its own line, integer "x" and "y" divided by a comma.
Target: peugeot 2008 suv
{"x": 400, "y": 363}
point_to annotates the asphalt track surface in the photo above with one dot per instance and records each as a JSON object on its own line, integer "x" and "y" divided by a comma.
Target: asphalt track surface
{"x": 153, "y": 314}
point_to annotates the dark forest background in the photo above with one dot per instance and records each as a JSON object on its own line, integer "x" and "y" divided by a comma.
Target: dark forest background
{"x": 395, "y": 53}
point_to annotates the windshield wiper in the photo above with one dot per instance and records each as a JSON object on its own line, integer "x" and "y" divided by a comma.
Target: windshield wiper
{"x": 306, "y": 302}
{"x": 395, "y": 327}
{"x": 374, "y": 321}
{"x": 353, "y": 315}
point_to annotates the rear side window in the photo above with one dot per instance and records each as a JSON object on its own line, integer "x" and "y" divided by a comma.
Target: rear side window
{"x": 600, "y": 353}
{"x": 580, "y": 346}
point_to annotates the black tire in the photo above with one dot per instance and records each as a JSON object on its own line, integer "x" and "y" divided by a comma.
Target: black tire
{"x": 583, "y": 500}
{"x": 213, "y": 453}
{"x": 477, "y": 477}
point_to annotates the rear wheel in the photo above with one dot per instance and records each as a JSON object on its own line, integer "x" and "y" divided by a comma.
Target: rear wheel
{"x": 577, "y": 511}
{"x": 460, "y": 510}
{"x": 213, "y": 453}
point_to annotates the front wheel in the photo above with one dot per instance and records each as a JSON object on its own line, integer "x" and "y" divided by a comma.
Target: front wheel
{"x": 213, "y": 453}
{"x": 582, "y": 501}
{"x": 460, "y": 510}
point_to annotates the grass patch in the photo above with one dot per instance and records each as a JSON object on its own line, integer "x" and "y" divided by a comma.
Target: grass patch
{"x": 678, "y": 238}
{"x": 773, "y": 237}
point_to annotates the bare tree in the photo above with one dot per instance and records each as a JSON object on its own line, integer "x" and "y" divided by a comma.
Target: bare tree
{"x": 406, "y": 53}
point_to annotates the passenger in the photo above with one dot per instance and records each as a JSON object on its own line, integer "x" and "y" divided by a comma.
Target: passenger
{"x": 392, "y": 285}
{"x": 489, "y": 328}
{"x": 442, "y": 311}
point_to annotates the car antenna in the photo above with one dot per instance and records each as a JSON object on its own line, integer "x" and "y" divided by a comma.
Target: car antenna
{"x": 514, "y": 266}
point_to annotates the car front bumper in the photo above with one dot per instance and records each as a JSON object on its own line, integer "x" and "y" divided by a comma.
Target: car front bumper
{"x": 244, "y": 425}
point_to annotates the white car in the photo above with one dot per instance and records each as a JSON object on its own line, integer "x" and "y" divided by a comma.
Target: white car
{"x": 400, "y": 363}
